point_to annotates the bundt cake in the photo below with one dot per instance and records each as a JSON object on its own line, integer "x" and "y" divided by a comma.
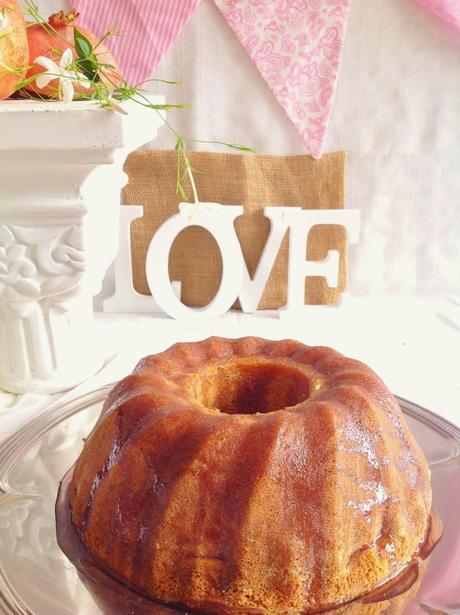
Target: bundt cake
{"x": 251, "y": 476}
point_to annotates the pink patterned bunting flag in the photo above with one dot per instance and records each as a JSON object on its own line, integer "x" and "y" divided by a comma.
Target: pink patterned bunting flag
{"x": 447, "y": 9}
{"x": 296, "y": 45}
{"x": 146, "y": 30}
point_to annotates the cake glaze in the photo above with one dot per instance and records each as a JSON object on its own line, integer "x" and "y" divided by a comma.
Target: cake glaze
{"x": 251, "y": 476}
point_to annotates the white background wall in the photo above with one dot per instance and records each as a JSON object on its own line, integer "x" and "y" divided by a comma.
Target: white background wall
{"x": 396, "y": 112}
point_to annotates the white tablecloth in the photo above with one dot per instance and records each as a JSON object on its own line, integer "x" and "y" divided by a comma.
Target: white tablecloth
{"x": 412, "y": 344}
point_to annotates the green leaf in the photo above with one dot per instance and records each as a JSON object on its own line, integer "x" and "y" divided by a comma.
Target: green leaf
{"x": 242, "y": 148}
{"x": 181, "y": 192}
{"x": 25, "y": 82}
{"x": 82, "y": 45}
{"x": 87, "y": 59}
{"x": 166, "y": 107}
{"x": 160, "y": 81}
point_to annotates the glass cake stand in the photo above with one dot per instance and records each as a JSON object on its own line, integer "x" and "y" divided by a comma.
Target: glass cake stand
{"x": 35, "y": 576}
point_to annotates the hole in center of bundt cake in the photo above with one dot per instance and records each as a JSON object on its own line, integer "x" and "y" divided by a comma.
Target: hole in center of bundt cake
{"x": 250, "y": 388}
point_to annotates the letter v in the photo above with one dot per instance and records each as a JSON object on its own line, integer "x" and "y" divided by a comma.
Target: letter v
{"x": 252, "y": 290}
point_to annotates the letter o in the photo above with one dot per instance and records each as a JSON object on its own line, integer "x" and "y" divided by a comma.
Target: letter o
{"x": 219, "y": 221}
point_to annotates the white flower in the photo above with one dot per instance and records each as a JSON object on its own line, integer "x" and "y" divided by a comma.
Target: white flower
{"x": 63, "y": 73}
{"x": 3, "y": 19}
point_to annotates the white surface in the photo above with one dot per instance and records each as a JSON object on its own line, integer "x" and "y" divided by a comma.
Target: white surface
{"x": 412, "y": 345}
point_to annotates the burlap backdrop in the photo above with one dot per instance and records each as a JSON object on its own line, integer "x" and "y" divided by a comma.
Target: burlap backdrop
{"x": 254, "y": 181}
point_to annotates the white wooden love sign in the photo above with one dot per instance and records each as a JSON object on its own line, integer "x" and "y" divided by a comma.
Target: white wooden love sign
{"x": 236, "y": 282}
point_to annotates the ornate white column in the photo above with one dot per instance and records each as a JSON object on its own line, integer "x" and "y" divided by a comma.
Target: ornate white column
{"x": 60, "y": 181}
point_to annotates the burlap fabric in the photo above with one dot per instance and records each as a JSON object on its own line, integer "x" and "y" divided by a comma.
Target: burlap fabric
{"x": 254, "y": 181}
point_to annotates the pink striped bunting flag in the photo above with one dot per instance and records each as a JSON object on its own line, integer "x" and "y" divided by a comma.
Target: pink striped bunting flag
{"x": 147, "y": 28}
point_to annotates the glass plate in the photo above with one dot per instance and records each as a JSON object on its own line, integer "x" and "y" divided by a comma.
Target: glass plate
{"x": 35, "y": 576}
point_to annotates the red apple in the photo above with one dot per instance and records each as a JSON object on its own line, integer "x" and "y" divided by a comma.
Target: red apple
{"x": 14, "y": 52}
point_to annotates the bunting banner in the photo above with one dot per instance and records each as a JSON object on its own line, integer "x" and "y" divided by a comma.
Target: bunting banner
{"x": 295, "y": 44}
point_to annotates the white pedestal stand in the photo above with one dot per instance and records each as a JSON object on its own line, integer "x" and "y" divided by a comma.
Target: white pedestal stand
{"x": 60, "y": 181}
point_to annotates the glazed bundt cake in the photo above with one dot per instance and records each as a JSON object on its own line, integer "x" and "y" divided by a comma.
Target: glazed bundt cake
{"x": 251, "y": 476}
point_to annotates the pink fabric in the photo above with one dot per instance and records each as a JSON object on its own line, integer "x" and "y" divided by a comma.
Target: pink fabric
{"x": 296, "y": 45}
{"x": 147, "y": 29}
{"x": 447, "y": 9}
